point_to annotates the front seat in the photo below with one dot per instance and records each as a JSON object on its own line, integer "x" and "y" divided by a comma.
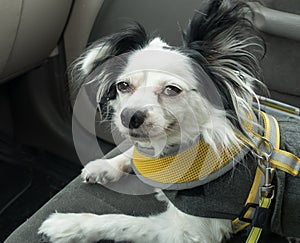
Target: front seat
{"x": 30, "y": 30}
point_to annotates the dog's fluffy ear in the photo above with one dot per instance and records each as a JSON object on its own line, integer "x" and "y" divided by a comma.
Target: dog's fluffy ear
{"x": 132, "y": 38}
{"x": 91, "y": 69}
{"x": 225, "y": 36}
{"x": 223, "y": 40}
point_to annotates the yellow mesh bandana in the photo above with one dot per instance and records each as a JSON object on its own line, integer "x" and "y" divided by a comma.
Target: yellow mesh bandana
{"x": 192, "y": 164}
{"x": 200, "y": 164}
{"x": 195, "y": 166}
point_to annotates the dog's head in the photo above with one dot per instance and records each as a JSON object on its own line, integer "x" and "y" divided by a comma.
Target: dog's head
{"x": 203, "y": 88}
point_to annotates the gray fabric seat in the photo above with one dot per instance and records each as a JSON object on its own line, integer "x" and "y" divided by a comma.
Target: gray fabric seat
{"x": 79, "y": 197}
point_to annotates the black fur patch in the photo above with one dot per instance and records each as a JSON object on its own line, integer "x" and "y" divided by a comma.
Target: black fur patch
{"x": 214, "y": 34}
{"x": 132, "y": 38}
{"x": 116, "y": 46}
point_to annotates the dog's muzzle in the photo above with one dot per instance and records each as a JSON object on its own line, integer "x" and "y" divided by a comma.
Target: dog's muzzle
{"x": 133, "y": 118}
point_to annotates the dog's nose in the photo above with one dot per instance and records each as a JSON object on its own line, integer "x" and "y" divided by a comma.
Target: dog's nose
{"x": 132, "y": 118}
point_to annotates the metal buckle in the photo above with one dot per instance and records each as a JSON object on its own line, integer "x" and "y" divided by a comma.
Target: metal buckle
{"x": 267, "y": 190}
{"x": 245, "y": 210}
{"x": 262, "y": 155}
{"x": 260, "y": 217}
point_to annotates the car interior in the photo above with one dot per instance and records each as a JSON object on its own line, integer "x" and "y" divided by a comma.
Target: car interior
{"x": 40, "y": 40}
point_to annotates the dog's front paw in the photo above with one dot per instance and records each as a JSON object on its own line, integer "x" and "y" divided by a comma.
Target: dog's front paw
{"x": 100, "y": 171}
{"x": 62, "y": 228}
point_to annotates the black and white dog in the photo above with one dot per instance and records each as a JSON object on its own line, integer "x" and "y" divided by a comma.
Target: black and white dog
{"x": 161, "y": 97}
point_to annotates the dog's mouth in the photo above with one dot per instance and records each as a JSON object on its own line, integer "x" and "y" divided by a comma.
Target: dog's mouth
{"x": 137, "y": 135}
{"x": 142, "y": 136}
{"x": 156, "y": 132}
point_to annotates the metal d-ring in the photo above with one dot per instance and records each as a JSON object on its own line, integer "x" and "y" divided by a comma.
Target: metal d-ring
{"x": 265, "y": 165}
{"x": 262, "y": 156}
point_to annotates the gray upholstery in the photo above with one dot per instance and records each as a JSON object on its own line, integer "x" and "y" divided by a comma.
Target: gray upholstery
{"x": 31, "y": 29}
{"x": 80, "y": 197}
{"x": 82, "y": 18}
{"x": 280, "y": 65}
{"x": 86, "y": 198}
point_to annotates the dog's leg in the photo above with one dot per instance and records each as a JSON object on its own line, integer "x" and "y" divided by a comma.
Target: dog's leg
{"x": 103, "y": 171}
{"x": 170, "y": 226}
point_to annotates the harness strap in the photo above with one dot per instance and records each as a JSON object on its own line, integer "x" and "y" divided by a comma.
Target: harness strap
{"x": 285, "y": 161}
{"x": 279, "y": 159}
{"x": 237, "y": 224}
{"x": 256, "y": 230}
{"x": 259, "y": 178}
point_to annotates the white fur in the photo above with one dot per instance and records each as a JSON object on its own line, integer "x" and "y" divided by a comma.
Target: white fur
{"x": 102, "y": 171}
{"x": 172, "y": 226}
{"x": 91, "y": 57}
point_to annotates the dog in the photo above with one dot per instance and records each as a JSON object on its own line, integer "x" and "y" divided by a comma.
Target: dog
{"x": 165, "y": 99}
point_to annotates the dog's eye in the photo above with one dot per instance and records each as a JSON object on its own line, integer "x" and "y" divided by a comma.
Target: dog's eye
{"x": 171, "y": 90}
{"x": 124, "y": 87}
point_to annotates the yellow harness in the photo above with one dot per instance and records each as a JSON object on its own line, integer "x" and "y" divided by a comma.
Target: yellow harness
{"x": 189, "y": 168}
{"x": 262, "y": 191}
{"x": 200, "y": 164}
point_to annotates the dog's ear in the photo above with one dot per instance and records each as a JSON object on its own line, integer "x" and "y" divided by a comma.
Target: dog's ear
{"x": 100, "y": 65}
{"x": 225, "y": 36}
{"x": 132, "y": 38}
{"x": 222, "y": 39}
